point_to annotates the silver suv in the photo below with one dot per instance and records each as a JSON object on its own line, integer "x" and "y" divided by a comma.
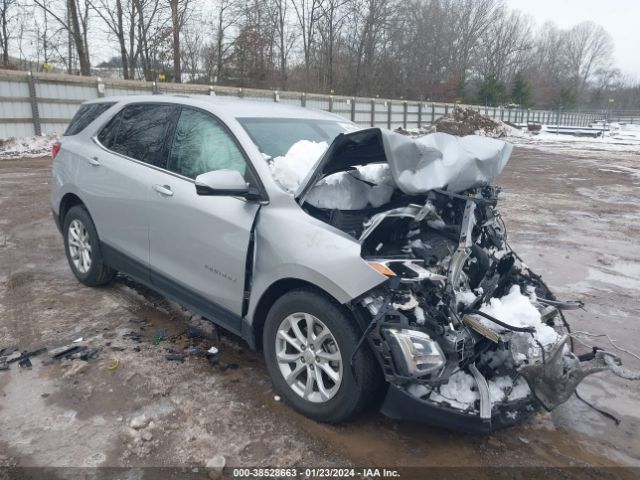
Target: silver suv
{"x": 375, "y": 270}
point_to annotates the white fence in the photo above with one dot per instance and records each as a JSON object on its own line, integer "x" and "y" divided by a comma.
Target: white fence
{"x": 39, "y": 103}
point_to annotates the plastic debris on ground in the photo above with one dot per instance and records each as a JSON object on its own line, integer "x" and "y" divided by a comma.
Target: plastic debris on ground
{"x": 212, "y": 355}
{"x": 25, "y": 362}
{"x": 161, "y": 334}
{"x": 115, "y": 364}
{"x": 66, "y": 351}
{"x": 175, "y": 357}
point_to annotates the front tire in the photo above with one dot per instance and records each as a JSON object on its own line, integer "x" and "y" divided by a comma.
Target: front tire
{"x": 308, "y": 342}
{"x": 82, "y": 246}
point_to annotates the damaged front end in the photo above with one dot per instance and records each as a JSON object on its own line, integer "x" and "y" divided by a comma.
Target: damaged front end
{"x": 467, "y": 336}
{"x": 454, "y": 361}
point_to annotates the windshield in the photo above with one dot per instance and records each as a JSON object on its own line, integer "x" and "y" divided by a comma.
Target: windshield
{"x": 275, "y": 136}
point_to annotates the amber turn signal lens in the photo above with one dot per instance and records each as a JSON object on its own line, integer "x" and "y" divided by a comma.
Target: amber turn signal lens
{"x": 383, "y": 269}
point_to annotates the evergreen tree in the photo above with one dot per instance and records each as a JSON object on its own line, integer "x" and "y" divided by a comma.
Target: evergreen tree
{"x": 492, "y": 92}
{"x": 521, "y": 91}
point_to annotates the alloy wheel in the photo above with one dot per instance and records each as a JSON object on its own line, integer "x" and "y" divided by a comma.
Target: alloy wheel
{"x": 79, "y": 246}
{"x": 308, "y": 357}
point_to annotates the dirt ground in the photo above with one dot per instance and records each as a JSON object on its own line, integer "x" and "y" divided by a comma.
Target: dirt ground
{"x": 573, "y": 218}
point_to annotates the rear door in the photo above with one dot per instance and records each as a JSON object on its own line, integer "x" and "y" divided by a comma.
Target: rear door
{"x": 199, "y": 244}
{"x": 118, "y": 185}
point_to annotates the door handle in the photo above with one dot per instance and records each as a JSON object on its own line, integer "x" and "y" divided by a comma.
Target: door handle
{"x": 93, "y": 161}
{"x": 164, "y": 190}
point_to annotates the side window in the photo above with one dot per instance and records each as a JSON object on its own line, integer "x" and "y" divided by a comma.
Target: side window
{"x": 201, "y": 144}
{"x": 85, "y": 115}
{"x": 142, "y": 132}
{"x": 108, "y": 133}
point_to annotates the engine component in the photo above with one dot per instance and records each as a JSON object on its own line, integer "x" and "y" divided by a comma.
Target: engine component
{"x": 481, "y": 329}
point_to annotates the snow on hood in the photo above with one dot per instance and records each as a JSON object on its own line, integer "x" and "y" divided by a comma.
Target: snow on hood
{"x": 417, "y": 165}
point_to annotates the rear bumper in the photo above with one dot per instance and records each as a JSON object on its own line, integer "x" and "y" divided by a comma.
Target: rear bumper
{"x": 400, "y": 405}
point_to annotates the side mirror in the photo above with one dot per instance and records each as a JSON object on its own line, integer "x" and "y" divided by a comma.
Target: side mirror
{"x": 229, "y": 183}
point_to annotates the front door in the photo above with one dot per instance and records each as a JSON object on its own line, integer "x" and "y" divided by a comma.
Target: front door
{"x": 199, "y": 244}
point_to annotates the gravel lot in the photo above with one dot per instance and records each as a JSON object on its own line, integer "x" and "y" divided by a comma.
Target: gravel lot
{"x": 574, "y": 218}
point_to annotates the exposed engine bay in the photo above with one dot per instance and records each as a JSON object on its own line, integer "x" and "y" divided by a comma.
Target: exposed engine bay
{"x": 467, "y": 336}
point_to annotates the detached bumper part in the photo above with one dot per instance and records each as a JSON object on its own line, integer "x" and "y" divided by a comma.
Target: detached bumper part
{"x": 401, "y": 405}
{"x": 554, "y": 379}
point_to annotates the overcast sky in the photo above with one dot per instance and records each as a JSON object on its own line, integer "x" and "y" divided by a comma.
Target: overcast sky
{"x": 621, "y": 18}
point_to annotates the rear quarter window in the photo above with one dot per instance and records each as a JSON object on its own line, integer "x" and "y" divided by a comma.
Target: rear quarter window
{"x": 85, "y": 115}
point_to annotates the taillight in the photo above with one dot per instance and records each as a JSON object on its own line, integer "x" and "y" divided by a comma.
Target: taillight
{"x": 55, "y": 149}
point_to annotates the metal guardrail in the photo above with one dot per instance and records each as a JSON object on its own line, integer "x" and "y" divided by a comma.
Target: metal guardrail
{"x": 41, "y": 103}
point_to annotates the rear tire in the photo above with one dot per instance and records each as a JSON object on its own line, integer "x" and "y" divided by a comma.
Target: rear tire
{"x": 82, "y": 246}
{"x": 335, "y": 395}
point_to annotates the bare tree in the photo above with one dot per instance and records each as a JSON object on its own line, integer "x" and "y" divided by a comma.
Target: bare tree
{"x": 307, "y": 13}
{"x": 419, "y": 49}
{"x": 285, "y": 38}
{"x": 504, "y": 43}
{"x": 332, "y": 18}
{"x": 192, "y": 51}
{"x": 180, "y": 9}
{"x": 470, "y": 21}
{"x": 226, "y": 17}
{"x": 588, "y": 49}
{"x": 75, "y": 20}
{"x": 7, "y": 12}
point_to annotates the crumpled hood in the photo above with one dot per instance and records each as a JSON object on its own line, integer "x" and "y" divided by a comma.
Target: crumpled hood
{"x": 417, "y": 165}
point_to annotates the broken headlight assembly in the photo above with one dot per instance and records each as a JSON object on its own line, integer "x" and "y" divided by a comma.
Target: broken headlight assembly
{"x": 415, "y": 353}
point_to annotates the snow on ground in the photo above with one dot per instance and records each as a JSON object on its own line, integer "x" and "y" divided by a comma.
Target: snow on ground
{"x": 620, "y": 139}
{"x": 27, "y": 147}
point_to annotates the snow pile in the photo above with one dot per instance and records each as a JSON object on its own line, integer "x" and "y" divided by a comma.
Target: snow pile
{"x": 341, "y": 190}
{"x": 461, "y": 391}
{"x": 467, "y": 121}
{"x": 368, "y": 185}
{"x": 354, "y": 190}
{"x": 466, "y": 297}
{"x": 503, "y": 389}
{"x": 517, "y": 310}
{"x": 290, "y": 170}
{"x": 383, "y": 184}
{"x": 27, "y": 147}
